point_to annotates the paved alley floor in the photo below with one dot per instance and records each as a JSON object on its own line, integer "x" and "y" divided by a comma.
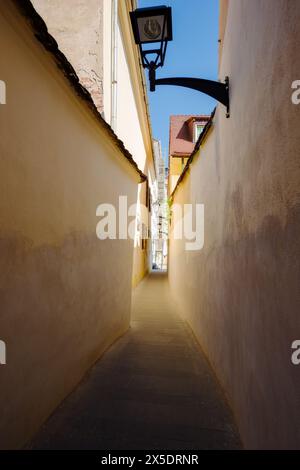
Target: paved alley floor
{"x": 152, "y": 390}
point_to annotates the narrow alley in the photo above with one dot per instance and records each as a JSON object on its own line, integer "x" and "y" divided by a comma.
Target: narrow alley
{"x": 149, "y": 228}
{"x": 152, "y": 389}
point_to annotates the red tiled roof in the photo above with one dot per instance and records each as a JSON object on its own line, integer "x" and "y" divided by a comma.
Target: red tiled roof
{"x": 181, "y": 141}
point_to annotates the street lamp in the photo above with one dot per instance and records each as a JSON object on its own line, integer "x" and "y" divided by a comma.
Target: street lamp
{"x": 154, "y": 25}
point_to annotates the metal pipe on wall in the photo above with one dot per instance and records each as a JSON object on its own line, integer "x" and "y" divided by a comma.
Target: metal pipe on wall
{"x": 114, "y": 64}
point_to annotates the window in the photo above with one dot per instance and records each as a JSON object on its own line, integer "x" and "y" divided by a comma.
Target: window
{"x": 198, "y": 129}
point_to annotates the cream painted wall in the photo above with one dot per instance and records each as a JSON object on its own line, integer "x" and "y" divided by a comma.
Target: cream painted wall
{"x": 132, "y": 126}
{"x": 240, "y": 293}
{"x": 59, "y": 308}
{"x": 128, "y": 123}
{"x": 85, "y": 37}
{"x": 107, "y": 56}
{"x": 140, "y": 256}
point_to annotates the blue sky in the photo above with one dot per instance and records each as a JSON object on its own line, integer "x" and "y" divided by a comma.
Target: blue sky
{"x": 192, "y": 53}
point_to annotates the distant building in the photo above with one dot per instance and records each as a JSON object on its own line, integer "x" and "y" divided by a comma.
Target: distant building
{"x": 159, "y": 220}
{"x": 184, "y": 133}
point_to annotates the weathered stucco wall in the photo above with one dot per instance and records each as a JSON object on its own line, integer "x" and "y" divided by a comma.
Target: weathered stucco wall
{"x": 59, "y": 305}
{"x": 240, "y": 293}
{"x": 77, "y": 25}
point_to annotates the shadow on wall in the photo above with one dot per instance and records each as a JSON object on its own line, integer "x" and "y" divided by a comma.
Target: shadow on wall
{"x": 65, "y": 319}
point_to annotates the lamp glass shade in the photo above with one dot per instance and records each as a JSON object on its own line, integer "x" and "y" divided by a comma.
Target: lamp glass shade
{"x": 148, "y": 24}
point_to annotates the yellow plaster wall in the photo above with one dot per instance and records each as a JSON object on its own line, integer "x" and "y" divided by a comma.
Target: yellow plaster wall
{"x": 64, "y": 295}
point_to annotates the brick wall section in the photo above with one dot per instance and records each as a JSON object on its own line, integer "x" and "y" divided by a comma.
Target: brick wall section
{"x": 77, "y": 26}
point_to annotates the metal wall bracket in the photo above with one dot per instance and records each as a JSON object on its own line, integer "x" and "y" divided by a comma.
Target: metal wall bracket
{"x": 217, "y": 90}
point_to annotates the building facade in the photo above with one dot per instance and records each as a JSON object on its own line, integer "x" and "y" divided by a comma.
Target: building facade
{"x": 159, "y": 220}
